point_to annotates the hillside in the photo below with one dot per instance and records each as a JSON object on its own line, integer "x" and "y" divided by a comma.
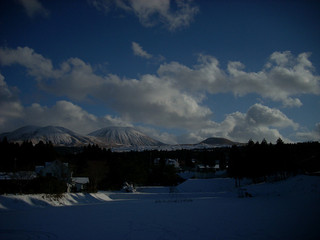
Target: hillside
{"x": 198, "y": 209}
{"x": 218, "y": 141}
{"x": 59, "y": 136}
{"x": 124, "y": 136}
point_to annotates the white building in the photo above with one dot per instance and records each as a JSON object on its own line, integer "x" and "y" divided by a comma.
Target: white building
{"x": 55, "y": 169}
{"x": 78, "y": 184}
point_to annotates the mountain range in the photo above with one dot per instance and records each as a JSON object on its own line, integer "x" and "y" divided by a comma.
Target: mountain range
{"x": 59, "y": 136}
{"x": 104, "y": 137}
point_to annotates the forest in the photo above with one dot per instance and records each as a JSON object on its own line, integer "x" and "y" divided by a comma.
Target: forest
{"x": 108, "y": 170}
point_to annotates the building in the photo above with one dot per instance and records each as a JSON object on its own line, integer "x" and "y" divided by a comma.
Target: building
{"x": 78, "y": 184}
{"x": 167, "y": 161}
{"x": 173, "y": 162}
{"x": 55, "y": 169}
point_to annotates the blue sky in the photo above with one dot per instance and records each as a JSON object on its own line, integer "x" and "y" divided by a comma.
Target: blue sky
{"x": 180, "y": 71}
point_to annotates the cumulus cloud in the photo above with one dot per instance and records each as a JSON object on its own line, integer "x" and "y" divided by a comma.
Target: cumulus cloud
{"x": 206, "y": 76}
{"x": 37, "y": 65}
{"x": 63, "y": 113}
{"x": 33, "y": 8}
{"x": 165, "y": 137}
{"x": 153, "y": 12}
{"x": 257, "y": 123}
{"x": 10, "y": 106}
{"x": 259, "y": 115}
{"x": 173, "y": 97}
{"x": 282, "y": 79}
{"x": 69, "y": 115}
{"x": 150, "y": 99}
{"x": 313, "y": 135}
{"x": 137, "y": 50}
{"x": 153, "y": 101}
{"x": 283, "y": 76}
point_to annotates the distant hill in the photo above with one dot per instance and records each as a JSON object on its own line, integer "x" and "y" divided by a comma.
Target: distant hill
{"x": 218, "y": 141}
{"x": 124, "y": 136}
{"x": 59, "y": 136}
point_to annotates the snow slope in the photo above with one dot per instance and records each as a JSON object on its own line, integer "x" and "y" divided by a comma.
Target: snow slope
{"x": 27, "y": 201}
{"x": 59, "y": 136}
{"x": 125, "y": 136}
{"x": 218, "y": 141}
{"x": 153, "y": 213}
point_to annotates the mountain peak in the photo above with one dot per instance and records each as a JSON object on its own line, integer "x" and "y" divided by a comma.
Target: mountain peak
{"x": 218, "y": 141}
{"x": 59, "y": 136}
{"x": 126, "y": 136}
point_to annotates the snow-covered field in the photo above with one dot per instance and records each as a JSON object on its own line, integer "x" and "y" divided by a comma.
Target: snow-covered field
{"x": 197, "y": 209}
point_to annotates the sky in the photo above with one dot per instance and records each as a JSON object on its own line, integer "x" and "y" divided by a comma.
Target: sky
{"x": 178, "y": 70}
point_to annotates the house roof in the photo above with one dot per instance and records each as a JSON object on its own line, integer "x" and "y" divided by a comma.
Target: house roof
{"x": 81, "y": 180}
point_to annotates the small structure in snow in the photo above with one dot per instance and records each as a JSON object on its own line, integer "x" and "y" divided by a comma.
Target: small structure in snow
{"x": 78, "y": 184}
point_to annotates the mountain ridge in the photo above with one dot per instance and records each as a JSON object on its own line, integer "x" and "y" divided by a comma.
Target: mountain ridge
{"x": 108, "y": 137}
{"x": 125, "y": 136}
{"x": 218, "y": 141}
{"x": 60, "y": 136}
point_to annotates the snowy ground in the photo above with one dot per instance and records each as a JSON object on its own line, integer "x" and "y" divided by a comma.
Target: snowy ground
{"x": 197, "y": 209}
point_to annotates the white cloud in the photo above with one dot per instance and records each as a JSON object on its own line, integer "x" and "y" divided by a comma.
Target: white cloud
{"x": 5, "y": 93}
{"x": 165, "y": 137}
{"x": 63, "y": 113}
{"x": 75, "y": 79}
{"x": 10, "y": 106}
{"x": 173, "y": 97}
{"x": 259, "y": 115}
{"x": 142, "y": 103}
{"x": 153, "y": 101}
{"x": 33, "y": 8}
{"x": 283, "y": 78}
{"x": 258, "y": 123}
{"x": 150, "y": 99}
{"x": 313, "y": 135}
{"x": 137, "y": 50}
{"x": 153, "y": 12}
{"x": 37, "y": 65}
{"x": 207, "y": 76}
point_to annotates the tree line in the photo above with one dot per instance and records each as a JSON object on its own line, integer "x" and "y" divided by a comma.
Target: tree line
{"x": 109, "y": 170}
{"x": 260, "y": 161}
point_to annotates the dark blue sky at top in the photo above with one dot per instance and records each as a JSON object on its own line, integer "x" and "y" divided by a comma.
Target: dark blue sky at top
{"x": 244, "y": 31}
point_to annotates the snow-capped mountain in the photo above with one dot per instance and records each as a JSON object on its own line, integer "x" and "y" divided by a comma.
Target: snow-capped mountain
{"x": 124, "y": 136}
{"x": 59, "y": 136}
{"x": 218, "y": 141}
{"x": 118, "y": 138}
